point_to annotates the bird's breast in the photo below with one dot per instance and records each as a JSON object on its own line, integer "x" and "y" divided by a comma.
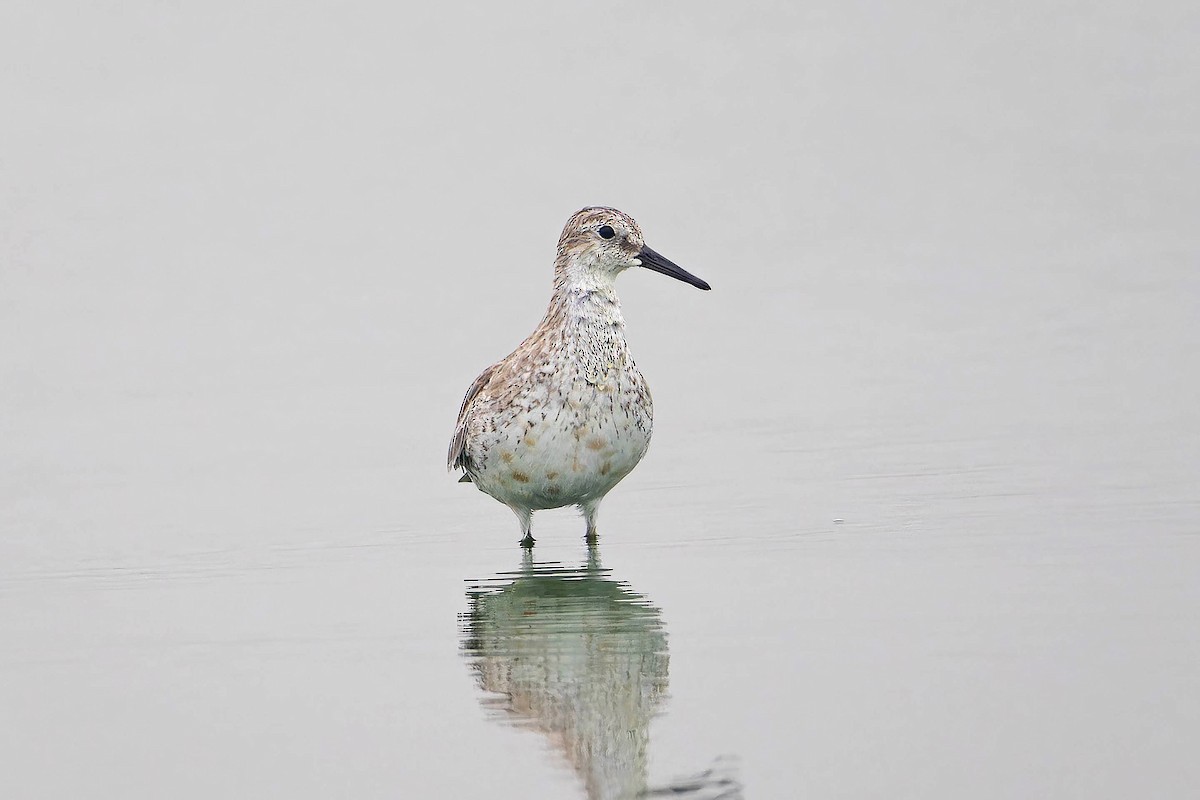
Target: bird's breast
{"x": 570, "y": 440}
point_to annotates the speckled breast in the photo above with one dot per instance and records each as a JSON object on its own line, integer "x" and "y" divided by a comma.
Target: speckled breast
{"x": 566, "y": 441}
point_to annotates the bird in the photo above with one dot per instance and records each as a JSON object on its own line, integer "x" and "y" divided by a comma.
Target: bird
{"x": 564, "y": 417}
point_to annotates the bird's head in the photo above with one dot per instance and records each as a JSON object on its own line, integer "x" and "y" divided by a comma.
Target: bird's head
{"x": 599, "y": 243}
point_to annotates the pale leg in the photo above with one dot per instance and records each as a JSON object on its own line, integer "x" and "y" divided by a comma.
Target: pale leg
{"x": 589, "y": 510}
{"x": 525, "y": 517}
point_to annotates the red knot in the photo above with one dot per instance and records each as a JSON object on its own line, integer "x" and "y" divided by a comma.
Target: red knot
{"x": 564, "y": 417}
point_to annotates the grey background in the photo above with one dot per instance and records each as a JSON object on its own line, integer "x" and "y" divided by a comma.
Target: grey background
{"x": 921, "y": 515}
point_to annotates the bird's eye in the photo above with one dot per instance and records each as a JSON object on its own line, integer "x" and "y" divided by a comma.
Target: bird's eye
{"x": 606, "y": 232}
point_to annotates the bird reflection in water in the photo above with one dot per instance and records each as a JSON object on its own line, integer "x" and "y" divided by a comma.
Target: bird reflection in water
{"x": 582, "y": 659}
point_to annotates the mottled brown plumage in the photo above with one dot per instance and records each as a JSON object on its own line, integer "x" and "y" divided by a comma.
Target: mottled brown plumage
{"x": 564, "y": 417}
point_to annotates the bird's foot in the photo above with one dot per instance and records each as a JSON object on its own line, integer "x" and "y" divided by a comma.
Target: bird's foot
{"x": 527, "y": 542}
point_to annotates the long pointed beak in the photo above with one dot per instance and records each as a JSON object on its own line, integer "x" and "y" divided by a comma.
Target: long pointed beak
{"x": 652, "y": 260}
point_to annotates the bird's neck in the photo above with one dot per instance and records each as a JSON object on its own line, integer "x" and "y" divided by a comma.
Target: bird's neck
{"x": 588, "y": 308}
{"x": 584, "y": 318}
{"x": 585, "y": 296}
{"x": 584, "y": 323}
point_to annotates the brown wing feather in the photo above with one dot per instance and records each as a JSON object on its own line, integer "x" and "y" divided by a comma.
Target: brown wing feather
{"x": 457, "y": 454}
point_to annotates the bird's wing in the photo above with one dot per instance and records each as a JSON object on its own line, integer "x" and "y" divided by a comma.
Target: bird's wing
{"x": 457, "y": 455}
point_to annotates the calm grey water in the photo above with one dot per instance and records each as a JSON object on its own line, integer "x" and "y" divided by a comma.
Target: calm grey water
{"x": 922, "y": 513}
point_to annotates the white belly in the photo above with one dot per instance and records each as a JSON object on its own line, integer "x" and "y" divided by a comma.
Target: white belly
{"x": 564, "y": 450}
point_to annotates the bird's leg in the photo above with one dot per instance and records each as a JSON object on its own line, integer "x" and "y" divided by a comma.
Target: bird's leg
{"x": 525, "y": 517}
{"x": 589, "y": 515}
